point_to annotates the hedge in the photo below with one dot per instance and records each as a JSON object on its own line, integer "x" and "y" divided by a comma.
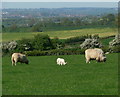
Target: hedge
{"x": 55, "y": 52}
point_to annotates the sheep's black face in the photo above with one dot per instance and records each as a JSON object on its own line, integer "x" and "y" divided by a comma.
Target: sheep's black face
{"x": 27, "y": 62}
{"x": 104, "y": 59}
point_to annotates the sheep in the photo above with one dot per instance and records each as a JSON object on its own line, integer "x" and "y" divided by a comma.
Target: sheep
{"x": 61, "y": 61}
{"x": 18, "y": 57}
{"x": 95, "y": 54}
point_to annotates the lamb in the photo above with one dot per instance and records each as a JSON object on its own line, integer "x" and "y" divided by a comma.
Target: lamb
{"x": 61, "y": 61}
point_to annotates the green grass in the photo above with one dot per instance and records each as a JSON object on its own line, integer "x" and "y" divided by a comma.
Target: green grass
{"x": 44, "y": 77}
{"x": 62, "y": 34}
{"x": 106, "y": 41}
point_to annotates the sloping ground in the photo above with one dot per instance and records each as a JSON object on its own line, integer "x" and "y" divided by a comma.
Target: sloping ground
{"x": 102, "y": 32}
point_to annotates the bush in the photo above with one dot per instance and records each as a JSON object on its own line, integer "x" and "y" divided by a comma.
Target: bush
{"x": 24, "y": 45}
{"x": 91, "y": 43}
{"x": 57, "y": 44}
{"x": 115, "y": 42}
{"x": 56, "y": 52}
{"x": 106, "y": 49}
{"x": 75, "y": 39}
{"x": 36, "y": 28}
{"x": 8, "y": 47}
{"x": 115, "y": 49}
{"x": 81, "y": 38}
{"x": 114, "y": 45}
{"x": 42, "y": 42}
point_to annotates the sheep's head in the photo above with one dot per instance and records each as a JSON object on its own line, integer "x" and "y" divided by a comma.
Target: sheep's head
{"x": 65, "y": 63}
{"x": 103, "y": 59}
{"x": 27, "y": 62}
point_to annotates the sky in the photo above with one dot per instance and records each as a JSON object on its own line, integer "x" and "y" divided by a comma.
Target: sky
{"x": 56, "y": 4}
{"x": 60, "y": 0}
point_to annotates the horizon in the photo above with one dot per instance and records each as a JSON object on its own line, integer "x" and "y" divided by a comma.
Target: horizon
{"x": 37, "y": 5}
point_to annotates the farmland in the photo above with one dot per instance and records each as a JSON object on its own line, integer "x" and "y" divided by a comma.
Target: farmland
{"x": 45, "y": 34}
{"x": 44, "y": 77}
{"x": 63, "y": 34}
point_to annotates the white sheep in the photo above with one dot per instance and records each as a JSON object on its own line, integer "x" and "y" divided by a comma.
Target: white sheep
{"x": 96, "y": 54}
{"x": 61, "y": 61}
{"x": 18, "y": 57}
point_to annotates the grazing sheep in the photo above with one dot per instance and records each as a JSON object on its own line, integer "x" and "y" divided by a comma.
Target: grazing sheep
{"x": 61, "y": 61}
{"x": 18, "y": 57}
{"x": 95, "y": 54}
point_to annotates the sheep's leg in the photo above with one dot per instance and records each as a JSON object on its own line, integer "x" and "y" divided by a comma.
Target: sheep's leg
{"x": 87, "y": 60}
{"x": 13, "y": 63}
{"x": 61, "y": 63}
{"x": 97, "y": 59}
{"x": 58, "y": 63}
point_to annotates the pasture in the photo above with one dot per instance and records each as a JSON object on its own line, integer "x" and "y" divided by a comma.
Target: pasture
{"x": 44, "y": 77}
{"x": 62, "y": 34}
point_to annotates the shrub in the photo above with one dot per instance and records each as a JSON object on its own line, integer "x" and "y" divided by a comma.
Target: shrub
{"x": 91, "y": 43}
{"x": 115, "y": 49}
{"x": 24, "y": 45}
{"x": 42, "y": 42}
{"x": 114, "y": 45}
{"x": 115, "y": 42}
{"x": 106, "y": 49}
{"x": 75, "y": 39}
{"x": 8, "y": 46}
{"x": 36, "y": 28}
{"x": 56, "y": 52}
{"x": 57, "y": 44}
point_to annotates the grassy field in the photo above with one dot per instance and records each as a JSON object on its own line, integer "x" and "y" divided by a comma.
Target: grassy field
{"x": 63, "y": 34}
{"x": 106, "y": 41}
{"x": 44, "y": 77}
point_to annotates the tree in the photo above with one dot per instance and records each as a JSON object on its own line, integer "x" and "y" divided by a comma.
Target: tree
{"x": 115, "y": 42}
{"x": 42, "y": 42}
{"x": 114, "y": 45}
{"x": 66, "y": 22}
{"x": 77, "y": 22}
{"x": 25, "y": 45}
{"x": 13, "y": 27}
{"x": 108, "y": 19}
{"x": 92, "y": 42}
{"x": 111, "y": 17}
{"x": 36, "y": 28}
{"x": 8, "y": 46}
{"x": 57, "y": 44}
{"x": 3, "y": 26}
{"x": 31, "y": 23}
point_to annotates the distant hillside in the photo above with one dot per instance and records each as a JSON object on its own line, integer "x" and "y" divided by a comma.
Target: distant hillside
{"x": 56, "y": 12}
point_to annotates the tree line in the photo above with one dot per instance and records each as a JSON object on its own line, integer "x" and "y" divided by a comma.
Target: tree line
{"x": 41, "y": 44}
{"x": 43, "y": 24}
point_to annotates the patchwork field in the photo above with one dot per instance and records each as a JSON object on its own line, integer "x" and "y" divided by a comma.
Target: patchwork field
{"x": 63, "y": 34}
{"x": 44, "y": 77}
